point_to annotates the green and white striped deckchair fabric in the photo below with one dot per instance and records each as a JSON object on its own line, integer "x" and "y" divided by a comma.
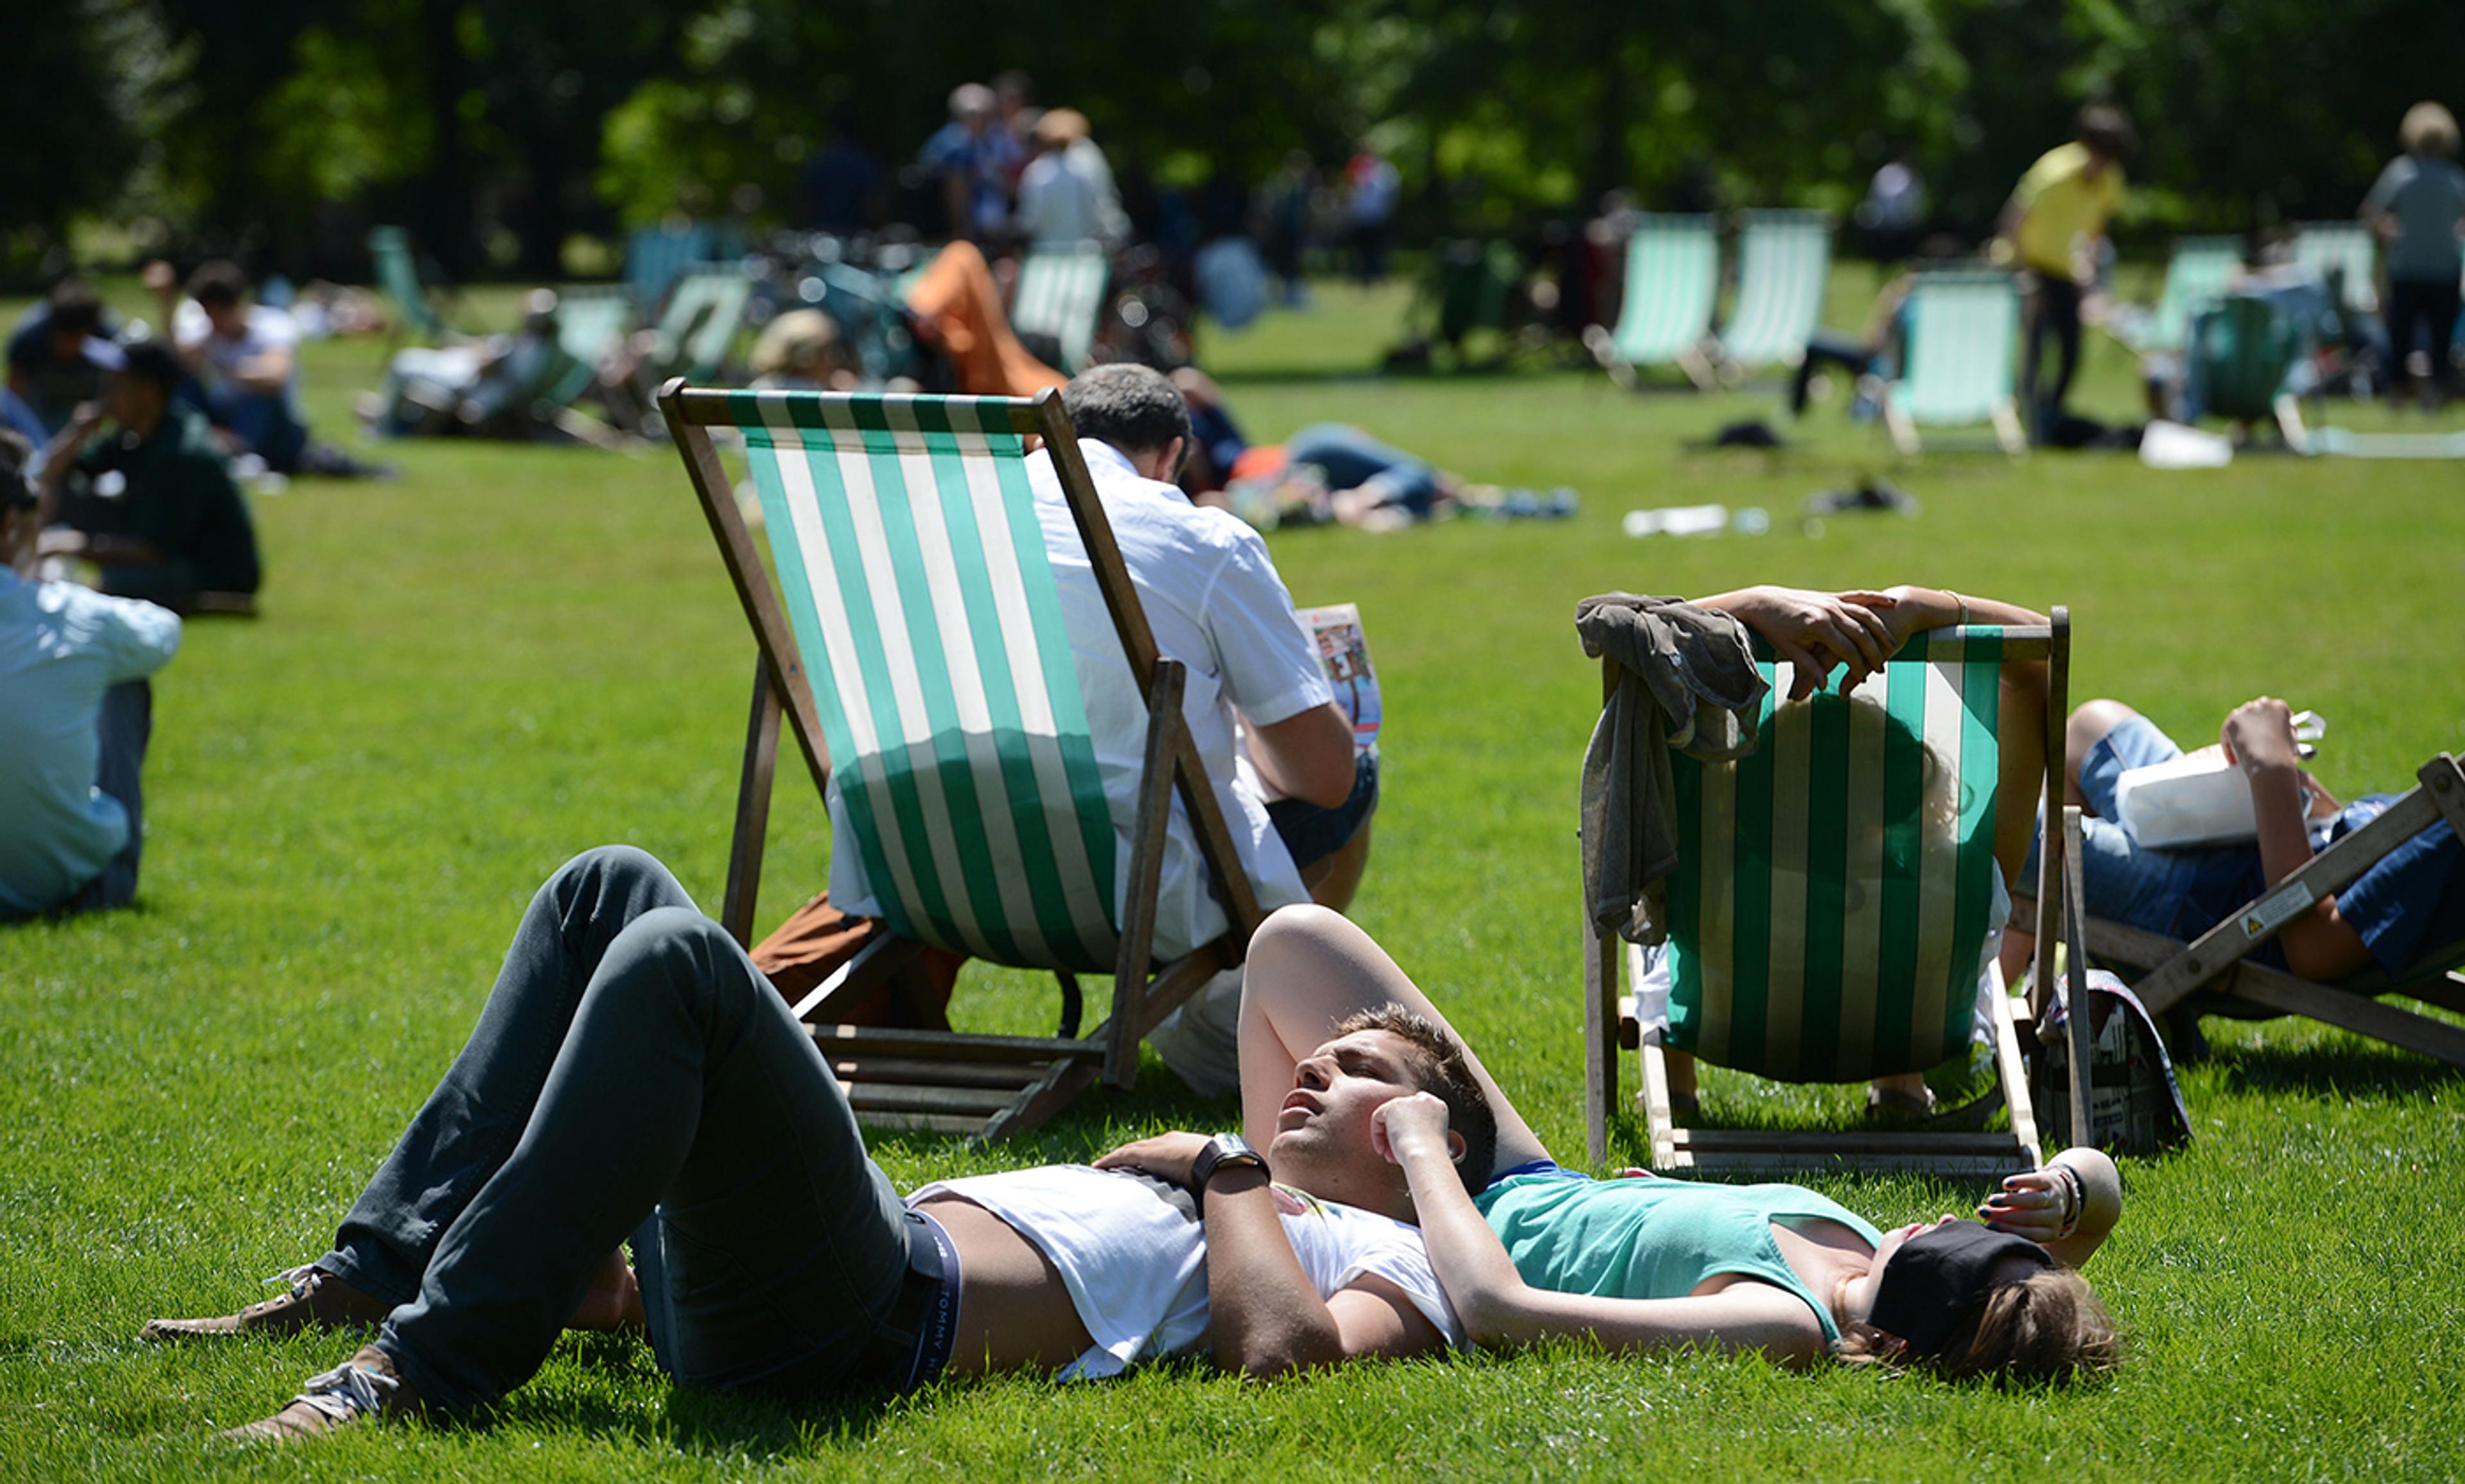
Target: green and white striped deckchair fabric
{"x": 2324, "y": 246}
{"x": 704, "y": 311}
{"x": 398, "y": 275}
{"x": 1784, "y": 264}
{"x": 913, "y": 569}
{"x": 1061, "y": 293}
{"x": 1964, "y": 329}
{"x": 1673, "y": 275}
{"x": 587, "y": 321}
{"x": 1833, "y": 888}
{"x": 2196, "y": 277}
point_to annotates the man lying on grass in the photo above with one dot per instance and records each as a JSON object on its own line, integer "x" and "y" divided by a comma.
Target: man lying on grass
{"x": 633, "y": 1072}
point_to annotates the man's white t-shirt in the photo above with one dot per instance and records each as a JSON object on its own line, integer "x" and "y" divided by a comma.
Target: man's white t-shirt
{"x": 1214, "y": 602}
{"x": 263, "y": 329}
{"x": 1135, "y": 1258}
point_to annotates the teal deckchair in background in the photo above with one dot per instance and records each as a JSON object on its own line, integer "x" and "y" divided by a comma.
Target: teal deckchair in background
{"x": 2342, "y": 254}
{"x": 1672, "y": 277}
{"x": 1784, "y": 264}
{"x": 1830, "y": 904}
{"x": 397, "y": 270}
{"x": 1061, "y": 294}
{"x": 2196, "y": 277}
{"x": 914, "y": 642}
{"x": 1963, "y": 330}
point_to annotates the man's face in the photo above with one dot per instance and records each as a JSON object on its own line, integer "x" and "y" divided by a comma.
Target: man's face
{"x": 1322, "y": 1143}
{"x": 132, "y": 401}
{"x": 226, "y": 316}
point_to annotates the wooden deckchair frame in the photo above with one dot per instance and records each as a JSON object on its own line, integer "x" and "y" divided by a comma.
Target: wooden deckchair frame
{"x": 990, "y": 1086}
{"x": 1941, "y": 1148}
{"x": 2171, "y": 970}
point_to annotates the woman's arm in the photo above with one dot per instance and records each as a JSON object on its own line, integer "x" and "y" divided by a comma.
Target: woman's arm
{"x": 2066, "y": 1207}
{"x": 1500, "y": 1310}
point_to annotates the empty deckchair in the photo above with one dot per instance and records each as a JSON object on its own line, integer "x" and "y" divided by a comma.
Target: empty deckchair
{"x": 1784, "y": 265}
{"x": 589, "y": 321}
{"x": 1832, "y": 906}
{"x": 2167, "y": 973}
{"x": 397, "y": 270}
{"x": 2196, "y": 277}
{"x": 656, "y": 256}
{"x": 2341, "y": 253}
{"x": 1061, "y": 294}
{"x": 1963, "y": 330}
{"x": 914, "y": 644}
{"x": 704, "y": 312}
{"x": 1673, "y": 276}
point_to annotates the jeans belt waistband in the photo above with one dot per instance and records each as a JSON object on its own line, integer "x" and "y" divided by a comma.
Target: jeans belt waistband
{"x": 921, "y": 1325}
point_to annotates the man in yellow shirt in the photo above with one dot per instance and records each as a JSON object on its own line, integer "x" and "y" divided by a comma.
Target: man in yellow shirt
{"x": 2050, "y": 230}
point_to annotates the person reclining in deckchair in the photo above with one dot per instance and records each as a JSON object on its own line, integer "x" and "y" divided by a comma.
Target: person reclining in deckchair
{"x": 2408, "y": 904}
{"x": 633, "y": 1073}
{"x": 1256, "y": 692}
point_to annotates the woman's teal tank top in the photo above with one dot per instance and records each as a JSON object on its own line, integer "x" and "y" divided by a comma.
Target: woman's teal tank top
{"x": 1654, "y": 1238}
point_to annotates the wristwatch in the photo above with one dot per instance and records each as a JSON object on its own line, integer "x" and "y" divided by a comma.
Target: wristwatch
{"x": 1222, "y": 1150}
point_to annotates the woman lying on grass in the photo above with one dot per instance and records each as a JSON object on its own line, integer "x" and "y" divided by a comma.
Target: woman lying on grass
{"x": 1643, "y": 1263}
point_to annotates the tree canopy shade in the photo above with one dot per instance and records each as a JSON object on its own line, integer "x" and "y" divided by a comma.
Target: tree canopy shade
{"x": 499, "y": 127}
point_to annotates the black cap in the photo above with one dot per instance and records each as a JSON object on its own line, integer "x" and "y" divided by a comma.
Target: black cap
{"x": 150, "y": 360}
{"x": 1939, "y": 1281}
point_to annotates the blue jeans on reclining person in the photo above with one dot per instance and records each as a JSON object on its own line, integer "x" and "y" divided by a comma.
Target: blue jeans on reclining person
{"x": 632, "y": 1071}
{"x": 1352, "y": 458}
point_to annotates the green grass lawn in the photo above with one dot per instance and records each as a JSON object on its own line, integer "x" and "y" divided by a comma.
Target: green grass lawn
{"x": 509, "y": 653}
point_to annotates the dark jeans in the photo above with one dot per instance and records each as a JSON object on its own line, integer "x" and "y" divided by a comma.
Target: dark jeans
{"x": 632, "y": 1072}
{"x": 125, "y": 726}
{"x": 1312, "y": 833}
{"x": 2421, "y": 312}
{"x": 2054, "y": 310}
{"x": 1825, "y": 348}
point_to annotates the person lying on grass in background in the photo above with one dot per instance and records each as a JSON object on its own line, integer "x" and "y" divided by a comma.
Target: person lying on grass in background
{"x": 2409, "y": 904}
{"x": 633, "y": 1072}
{"x": 1643, "y": 1264}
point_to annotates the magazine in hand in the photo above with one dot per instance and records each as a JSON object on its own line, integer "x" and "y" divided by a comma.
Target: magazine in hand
{"x": 1343, "y": 653}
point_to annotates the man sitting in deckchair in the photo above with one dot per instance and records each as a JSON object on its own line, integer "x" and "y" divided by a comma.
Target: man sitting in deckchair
{"x": 633, "y": 1072}
{"x": 1280, "y": 753}
{"x": 2410, "y": 902}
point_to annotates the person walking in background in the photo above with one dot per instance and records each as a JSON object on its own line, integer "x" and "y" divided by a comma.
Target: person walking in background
{"x": 76, "y": 711}
{"x": 1372, "y": 191}
{"x": 2416, "y": 206}
{"x": 2052, "y": 229}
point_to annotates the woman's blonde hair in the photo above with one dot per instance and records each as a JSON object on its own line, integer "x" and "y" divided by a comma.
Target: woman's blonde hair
{"x": 2047, "y": 1327}
{"x": 2428, "y": 129}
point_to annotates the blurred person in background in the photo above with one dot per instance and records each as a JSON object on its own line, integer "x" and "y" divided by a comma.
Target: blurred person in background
{"x": 2416, "y": 206}
{"x": 57, "y": 355}
{"x": 2052, "y": 229}
{"x": 243, "y": 357}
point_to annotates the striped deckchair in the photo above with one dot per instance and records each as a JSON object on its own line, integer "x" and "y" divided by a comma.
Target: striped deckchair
{"x": 705, "y": 310}
{"x": 1963, "y": 330}
{"x": 1784, "y": 265}
{"x": 2343, "y": 252}
{"x": 1673, "y": 275}
{"x": 2196, "y": 277}
{"x": 914, "y": 641}
{"x": 1061, "y": 294}
{"x": 588, "y": 322}
{"x": 397, "y": 270}
{"x": 1830, "y": 905}
{"x": 655, "y": 257}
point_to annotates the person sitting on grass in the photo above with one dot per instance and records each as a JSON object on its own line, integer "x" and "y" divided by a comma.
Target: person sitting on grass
{"x": 72, "y": 668}
{"x": 2410, "y": 904}
{"x": 57, "y": 354}
{"x": 633, "y": 1073}
{"x": 154, "y": 506}
{"x": 242, "y": 357}
{"x": 1646, "y": 1264}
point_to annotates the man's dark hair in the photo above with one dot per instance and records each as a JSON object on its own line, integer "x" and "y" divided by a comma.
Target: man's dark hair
{"x": 150, "y": 360}
{"x": 72, "y": 305}
{"x": 217, "y": 282}
{"x": 2106, "y": 129}
{"x": 1439, "y": 1065}
{"x": 16, "y": 491}
{"x": 1134, "y": 407}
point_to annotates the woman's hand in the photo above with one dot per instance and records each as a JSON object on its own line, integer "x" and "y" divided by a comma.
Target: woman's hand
{"x": 1406, "y": 1127}
{"x": 2041, "y": 1204}
{"x": 1816, "y": 630}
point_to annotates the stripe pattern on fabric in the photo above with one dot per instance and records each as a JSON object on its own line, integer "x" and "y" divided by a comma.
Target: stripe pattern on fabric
{"x": 1964, "y": 332}
{"x": 1673, "y": 275}
{"x": 1784, "y": 264}
{"x": 1834, "y": 888}
{"x": 1060, "y": 292}
{"x": 914, "y": 572}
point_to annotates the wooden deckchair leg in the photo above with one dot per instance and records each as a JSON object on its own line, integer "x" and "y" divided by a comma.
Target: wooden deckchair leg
{"x": 1600, "y": 1038}
{"x": 2008, "y": 432}
{"x": 2076, "y": 974}
{"x": 2013, "y": 1074}
{"x": 752, "y": 808}
{"x": 1146, "y": 873}
{"x": 1903, "y": 430}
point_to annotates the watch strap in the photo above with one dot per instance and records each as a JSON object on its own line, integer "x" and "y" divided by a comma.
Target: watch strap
{"x": 1221, "y": 1150}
